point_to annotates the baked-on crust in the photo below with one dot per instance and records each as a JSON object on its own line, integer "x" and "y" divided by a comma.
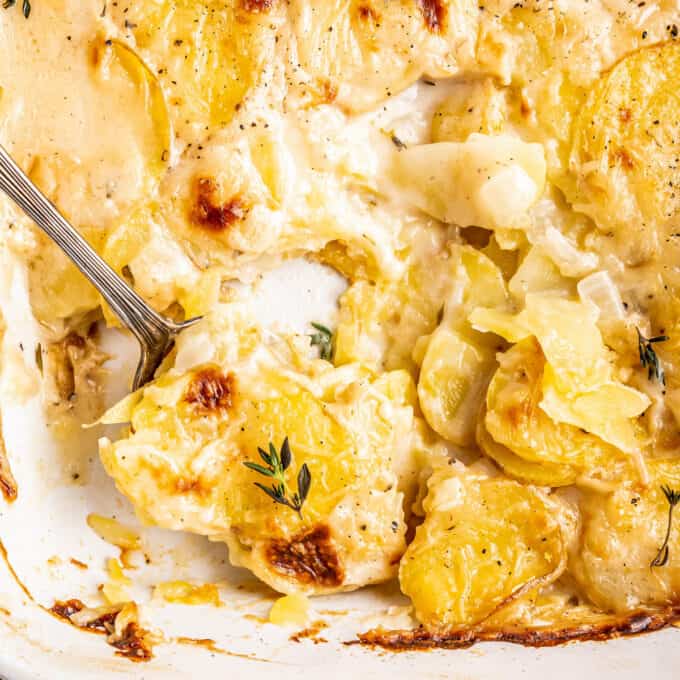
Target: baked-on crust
{"x": 420, "y": 638}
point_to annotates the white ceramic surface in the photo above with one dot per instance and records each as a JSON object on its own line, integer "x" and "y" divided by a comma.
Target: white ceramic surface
{"x": 46, "y": 526}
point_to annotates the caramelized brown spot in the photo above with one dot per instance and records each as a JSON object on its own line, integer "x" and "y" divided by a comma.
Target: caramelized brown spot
{"x": 420, "y": 638}
{"x": 524, "y": 108}
{"x": 311, "y": 633}
{"x": 516, "y": 414}
{"x": 367, "y": 12}
{"x": 624, "y": 158}
{"x": 133, "y": 644}
{"x": 95, "y": 54}
{"x": 209, "y": 213}
{"x": 210, "y": 390}
{"x": 625, "y": 115}
{"x": 8, "y": 484}
{"x": 78, "y": 563}
{"x": 66, "y": 354}
{"x": 64, "y": 609}
{"x": 434, "y": 13}
{"x": 184, "y": 485}
{"x": 329, "y": 92}
{"x": 309, "y": 557}
{"x": 257, "y": 6}
{"x": 103, "y": 624}
{"x": 74, "y": 341}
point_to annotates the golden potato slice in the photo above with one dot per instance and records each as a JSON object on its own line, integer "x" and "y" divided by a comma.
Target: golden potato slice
{"x": 453, "y": 379}
{"x": 484, "y": 542}
{"x": 360, "y": 52}
{"x": 537, "y": 273}
{"x": 515, "y": 419}
{"x": 458, "y": 362}
{"x": 182, "y": 464}
{"x": 253, "y": 196}
{"x": 622, "y": 535}
{"x": 625, "y": 140}
{"x": 208, "y": 55}
{"x": 140, "y": 249}
{"x": 58, "y": 289}
{"x": 542, "y": 474}
{"x": 380, "y": 323}
{"x": 148, "y": 91}
{"x": 579, "y": 385}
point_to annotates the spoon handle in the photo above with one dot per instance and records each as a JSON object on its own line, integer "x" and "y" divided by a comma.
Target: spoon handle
{"x": 134, "y": 313}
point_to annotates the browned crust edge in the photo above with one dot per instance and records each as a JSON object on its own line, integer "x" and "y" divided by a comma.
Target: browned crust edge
{"x": 8, "y": 485}
{"x": 420, "y": 638}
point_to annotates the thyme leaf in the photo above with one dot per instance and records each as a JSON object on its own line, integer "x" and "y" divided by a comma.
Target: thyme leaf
{"x": 673, "y": 498}
{"x": 323, "y": 338}
{"x": 276, "y": 465}
{"x": 648, "y": 357}
{"x": 259, "y": 468}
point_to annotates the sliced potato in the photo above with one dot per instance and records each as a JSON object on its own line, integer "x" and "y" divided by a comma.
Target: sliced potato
{"x": 380, "y": 323}
{"x": 209, "y": 55}
{"x": 360, "y": 52}
{"x": 484, "y": 542}
{"x": 516, "y": 420}
{"x": 453, "y": 379}
{"x": 543, "y": 474}
{"x": 622, "y": 535}
{"x": 182, "y": 464}
{"x": 85, "y": 195}
{"x": 151, "y": 94}
{"x": 624, "y": 142}
{"x": 579, "y": 384}
{"x": 458, "y": 362}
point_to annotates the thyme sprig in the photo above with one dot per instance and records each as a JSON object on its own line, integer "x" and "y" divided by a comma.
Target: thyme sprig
{"x": 323, "y": 338}
{"x": 25, "y": 6}
{"x": 648, "y": 357}
{"x": 276, "y": 466}
{"x": 673, "y": 498}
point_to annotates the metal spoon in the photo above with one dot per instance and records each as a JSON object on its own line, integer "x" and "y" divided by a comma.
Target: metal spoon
{"x": 155, "y": 333}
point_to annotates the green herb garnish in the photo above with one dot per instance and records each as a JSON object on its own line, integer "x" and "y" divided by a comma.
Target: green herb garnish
{"x": 648, "y": 358}
{"x": 276, "y": 466}
{"x": 673, "y": 498}
{"x": 323, "y": 338}
{"x": 25, "y": 6}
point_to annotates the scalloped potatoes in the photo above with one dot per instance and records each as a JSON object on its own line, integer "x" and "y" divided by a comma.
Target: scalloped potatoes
{"x": 497, "y": 423}
{"x": 192, "y": 432}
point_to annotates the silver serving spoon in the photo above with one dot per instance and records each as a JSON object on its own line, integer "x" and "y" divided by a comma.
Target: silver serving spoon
{"x": 155, "y": 333}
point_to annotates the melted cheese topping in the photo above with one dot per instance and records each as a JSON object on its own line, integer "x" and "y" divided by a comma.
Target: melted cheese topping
{"x": 497, "y": 183}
